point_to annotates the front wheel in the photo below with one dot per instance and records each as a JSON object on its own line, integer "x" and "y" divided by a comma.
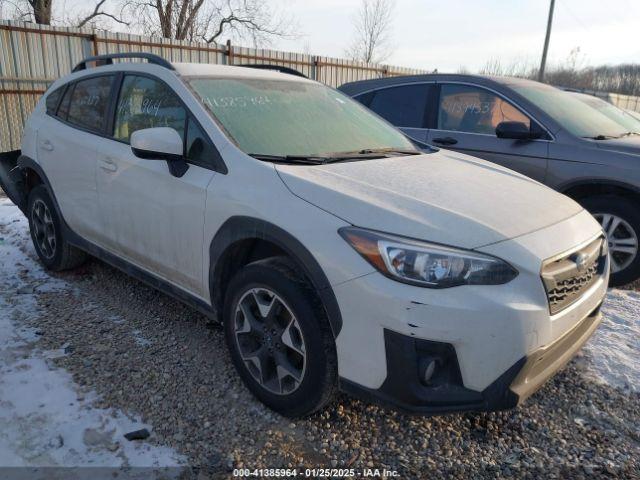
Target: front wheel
{"x": 620, "y": 221}
{"x": 279, "y": 338}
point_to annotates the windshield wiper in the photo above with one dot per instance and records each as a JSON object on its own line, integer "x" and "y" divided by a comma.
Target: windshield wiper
{"x": 365, "y": 154}
{"x": 601, "y": 137}
{"x": 309, "y": 160}
{"x": 369, "y": 151}
{"x": 369, "y": 154}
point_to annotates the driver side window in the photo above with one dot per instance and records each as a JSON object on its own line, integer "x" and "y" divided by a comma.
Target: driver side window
{"x": 465, "y": 108}
{"x": 146, "y": 103}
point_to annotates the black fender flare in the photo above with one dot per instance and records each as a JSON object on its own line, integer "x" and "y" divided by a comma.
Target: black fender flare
{"x": 604, "y": 182}
{"x": 240, "y": 228}
{"x": 25, "y": 162}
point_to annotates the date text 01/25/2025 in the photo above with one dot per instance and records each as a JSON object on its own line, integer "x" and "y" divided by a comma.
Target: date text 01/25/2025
{"x": 315, "y": 473}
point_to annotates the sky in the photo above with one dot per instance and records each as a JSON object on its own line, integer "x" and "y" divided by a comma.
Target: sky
{"x": 448, "y": 35}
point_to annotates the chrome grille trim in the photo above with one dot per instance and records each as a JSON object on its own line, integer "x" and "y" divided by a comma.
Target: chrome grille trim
{"x": 568, "y": 276}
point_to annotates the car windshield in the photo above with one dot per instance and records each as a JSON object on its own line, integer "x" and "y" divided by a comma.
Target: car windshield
{"x": 573, "y": 114}
{"x": 619, "y": 116}
{"x": 285, "y": 118}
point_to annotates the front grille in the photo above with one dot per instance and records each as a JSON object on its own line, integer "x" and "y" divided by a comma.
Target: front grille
{"x": 567, "y": 278}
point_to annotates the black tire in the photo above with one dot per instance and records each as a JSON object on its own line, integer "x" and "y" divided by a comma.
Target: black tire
{"x": 61, "y": 255}
{"x": 319, "y": 381}
{"x": 627, "y": 210}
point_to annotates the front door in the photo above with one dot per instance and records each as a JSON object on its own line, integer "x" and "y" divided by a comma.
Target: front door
{"x": 150, "y": 217}
{"x": 467, "y": 118}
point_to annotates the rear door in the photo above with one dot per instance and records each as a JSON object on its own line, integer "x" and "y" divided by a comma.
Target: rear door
{"x": 404, "y": 106}
{"x": 66, "y": 148}
{"x": 149, "y": 217}
{"x": 466, "y": 118}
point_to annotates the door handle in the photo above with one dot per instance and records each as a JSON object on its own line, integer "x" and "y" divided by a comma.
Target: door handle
{"x": 108, "y": 165}
{"x": 445, "y": 141}
{"x": 47, "y": 145}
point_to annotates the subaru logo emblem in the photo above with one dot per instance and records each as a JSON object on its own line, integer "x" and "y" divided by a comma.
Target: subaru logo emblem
{"x": 581, "y": 261}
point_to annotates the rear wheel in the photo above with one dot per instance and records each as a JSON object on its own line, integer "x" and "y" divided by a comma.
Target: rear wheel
{"x": 46, "y": 233}
{"x": 620, "y": 220}
{"x": 279, "y": 338}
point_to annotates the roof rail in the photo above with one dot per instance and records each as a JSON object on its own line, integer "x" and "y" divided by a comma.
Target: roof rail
{"x": 276, "y": 68}
{"x": 108, "y": 60}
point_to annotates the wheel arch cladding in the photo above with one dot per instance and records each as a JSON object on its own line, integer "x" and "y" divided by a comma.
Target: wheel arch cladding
{"x": 590, "y": 188}
{"x": 241, "y": 240}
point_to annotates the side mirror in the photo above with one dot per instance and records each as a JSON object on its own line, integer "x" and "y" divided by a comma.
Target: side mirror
{"x": 160, "y": 143}
{"x": 514, "y": 130}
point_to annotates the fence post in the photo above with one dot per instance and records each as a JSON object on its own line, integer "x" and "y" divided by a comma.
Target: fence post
{"x": 94, "y": 42}
{"x": 229, "y": 52}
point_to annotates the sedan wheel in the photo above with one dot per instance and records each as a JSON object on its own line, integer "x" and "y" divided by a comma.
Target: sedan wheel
{"x": 623, "y": 241}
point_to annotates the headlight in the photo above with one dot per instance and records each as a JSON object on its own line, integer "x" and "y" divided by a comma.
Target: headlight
{"x": 427, "y": 264}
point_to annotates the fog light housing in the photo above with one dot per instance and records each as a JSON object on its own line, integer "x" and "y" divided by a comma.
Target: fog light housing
{"x": 426, "y": 369}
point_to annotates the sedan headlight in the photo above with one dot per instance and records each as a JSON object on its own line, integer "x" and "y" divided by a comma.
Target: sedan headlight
{"x": 427, "y": 264}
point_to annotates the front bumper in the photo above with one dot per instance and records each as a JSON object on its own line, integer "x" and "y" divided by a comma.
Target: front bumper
{"x": 404, "y": 390}
{"x": 506, "y": 340}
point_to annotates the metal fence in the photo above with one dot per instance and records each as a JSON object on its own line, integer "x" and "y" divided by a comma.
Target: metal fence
{"x": 32, "y": 56}
{"x": 626, "y": 102}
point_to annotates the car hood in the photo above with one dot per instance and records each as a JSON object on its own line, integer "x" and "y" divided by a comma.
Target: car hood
{"x": 442, "y": 197}
{"x": 630, "y": 144}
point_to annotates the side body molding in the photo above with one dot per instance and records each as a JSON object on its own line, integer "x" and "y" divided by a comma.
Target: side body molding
{"x": 134, "y": 271}
{"x": 240, "y": 228}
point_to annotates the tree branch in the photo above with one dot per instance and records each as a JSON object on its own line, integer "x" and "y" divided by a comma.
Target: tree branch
{"x": 97, "y": 13}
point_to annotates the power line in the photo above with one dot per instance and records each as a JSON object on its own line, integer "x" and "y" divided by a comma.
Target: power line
{"x": 574, "y": 16}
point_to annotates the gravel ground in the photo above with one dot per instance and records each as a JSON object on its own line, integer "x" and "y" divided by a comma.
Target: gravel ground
{"x": 146, "y": 354}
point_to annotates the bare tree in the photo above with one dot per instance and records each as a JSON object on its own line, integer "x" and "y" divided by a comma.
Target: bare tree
{"x": 373, "y": 24}
{"x": 211, "y": 20}
{"x": 42, "y": 12}
{"x": 98, "y": 12}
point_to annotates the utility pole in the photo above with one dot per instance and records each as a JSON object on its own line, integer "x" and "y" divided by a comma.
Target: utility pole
{"x": 546, "y": 42}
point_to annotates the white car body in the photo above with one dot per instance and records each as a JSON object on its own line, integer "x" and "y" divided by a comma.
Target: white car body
{"x": 133, "y": 210}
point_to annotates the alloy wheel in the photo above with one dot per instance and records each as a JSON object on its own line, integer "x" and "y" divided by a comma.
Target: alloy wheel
{"x": 270, "y": 341}
{"x": 622, "y": 238}
{"x": 43, "y": 229}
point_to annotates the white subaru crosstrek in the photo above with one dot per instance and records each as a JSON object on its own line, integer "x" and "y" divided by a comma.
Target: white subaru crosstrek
{"x": 336, "y": 254}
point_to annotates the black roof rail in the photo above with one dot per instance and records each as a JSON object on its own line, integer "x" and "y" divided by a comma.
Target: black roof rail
{"x": 108, "y": 60}
{"x": 276, "y": 68}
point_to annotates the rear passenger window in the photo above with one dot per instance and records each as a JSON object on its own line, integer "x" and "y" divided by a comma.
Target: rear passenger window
{"x": 147, "y": 103}
{"x": 90, "y": 102}
{"x": 403, "y": 106}
{"x": 53, "y": 99}
{"x": 63, "y": 109}
{"x": 199, "y": 149}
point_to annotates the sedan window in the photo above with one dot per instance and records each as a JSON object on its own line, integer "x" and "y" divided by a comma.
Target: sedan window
{"x": 403, "y": 106}
{"x": 574, "y": 115}
{"x": 465, "y": 108}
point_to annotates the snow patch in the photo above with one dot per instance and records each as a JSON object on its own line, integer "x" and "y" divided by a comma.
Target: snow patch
{"x": 612, "y": 354}
{"x": 45, "y": 420}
